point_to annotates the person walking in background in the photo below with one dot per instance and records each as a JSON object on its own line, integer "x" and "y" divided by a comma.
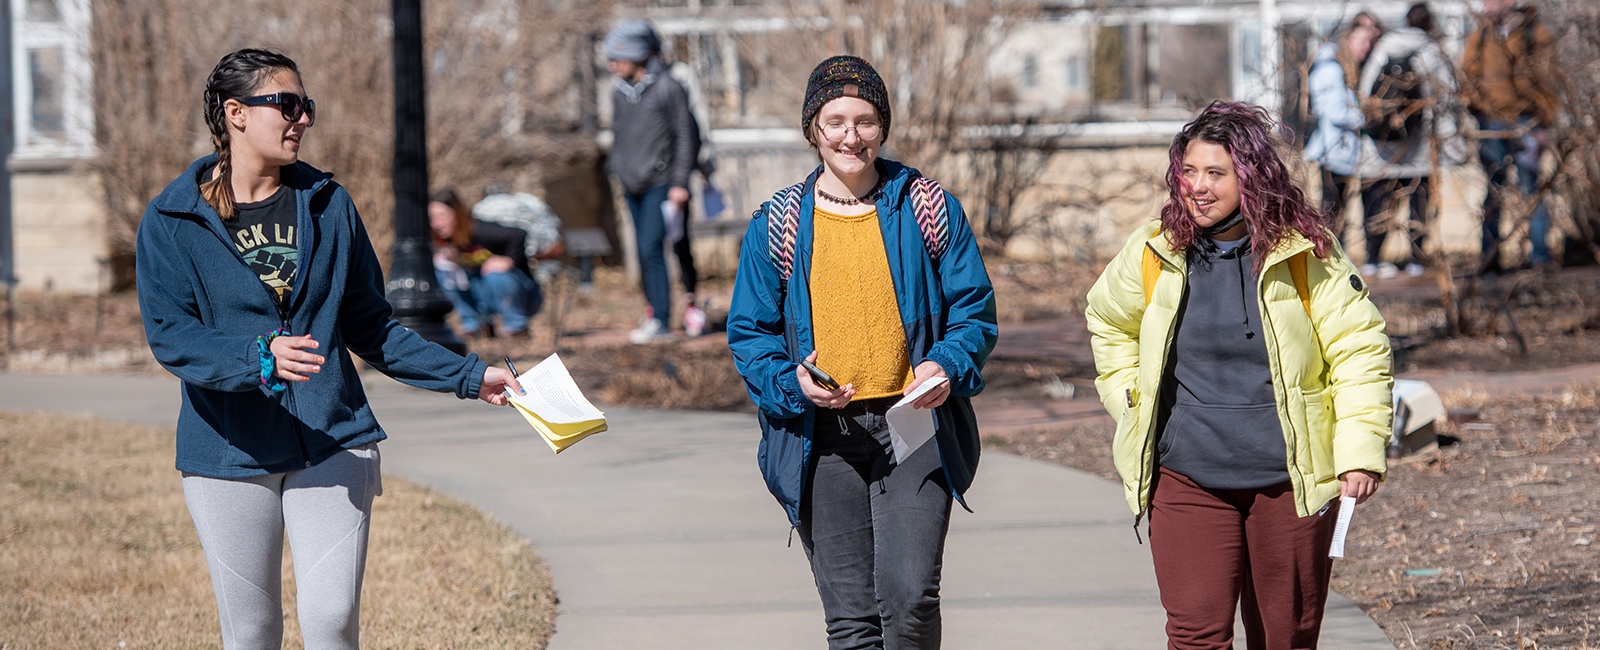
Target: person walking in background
{"x": 653, "y": 150}
{"x": 1335, "y": 145}
{"x": 1407, "y": 84}
{"x": 1506, "y": 78}
{"x": 483, "y": 268}
{"x": 256, "y": 282}
{"x": 868, "y": 270}
{"x": 1249, "y": 375}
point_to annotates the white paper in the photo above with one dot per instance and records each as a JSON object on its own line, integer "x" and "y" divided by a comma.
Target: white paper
{"x": 909, "y": 427}
{"x": 1347, "y": 508}
{"x": 552, "y": 395}
{"x": 672, "y": 218}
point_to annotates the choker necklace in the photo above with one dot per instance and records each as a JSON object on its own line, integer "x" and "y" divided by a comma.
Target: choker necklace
{"x": 869, "y": 197}
{"x": 1225, "y": 225}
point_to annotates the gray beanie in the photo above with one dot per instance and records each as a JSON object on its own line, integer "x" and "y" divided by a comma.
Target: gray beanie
{"x": 632, "y": 40}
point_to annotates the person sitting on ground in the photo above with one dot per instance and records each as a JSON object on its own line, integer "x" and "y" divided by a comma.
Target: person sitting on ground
{"x": 529, "y": 213}
{"x": 483, "y": 268}
{"x": 1249, "y": 374}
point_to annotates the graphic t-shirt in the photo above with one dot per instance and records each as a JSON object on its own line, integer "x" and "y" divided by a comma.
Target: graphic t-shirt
{"x": 264, "y": 233}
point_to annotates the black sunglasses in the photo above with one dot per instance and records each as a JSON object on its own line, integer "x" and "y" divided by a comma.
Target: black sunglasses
{"x": 291, "y": 105}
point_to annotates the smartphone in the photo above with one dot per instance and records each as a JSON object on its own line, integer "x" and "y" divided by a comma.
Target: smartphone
{"x": 817, "y": 375}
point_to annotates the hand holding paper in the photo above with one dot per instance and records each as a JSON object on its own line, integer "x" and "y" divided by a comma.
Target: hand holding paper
{"x": 925, "y": 372}
{"x": 910, "y": 427}
{"x": 555, "y": 407}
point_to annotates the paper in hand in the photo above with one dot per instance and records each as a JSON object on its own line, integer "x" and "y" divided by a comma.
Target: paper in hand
{"x": 1347, "y": 508}
{"x": 910, "y": 427}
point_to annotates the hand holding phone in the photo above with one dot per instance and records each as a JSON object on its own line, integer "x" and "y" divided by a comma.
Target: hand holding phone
{"x": 817, "y": 375}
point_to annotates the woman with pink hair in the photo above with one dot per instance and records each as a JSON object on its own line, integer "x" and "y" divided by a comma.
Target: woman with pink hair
{"x": 1249, "y": 374}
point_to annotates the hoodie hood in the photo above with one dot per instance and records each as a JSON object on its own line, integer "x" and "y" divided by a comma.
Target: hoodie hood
{"x": 1401, "y": 42}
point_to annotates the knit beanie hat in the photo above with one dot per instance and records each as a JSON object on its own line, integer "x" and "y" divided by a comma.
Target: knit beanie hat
{"x": 844, "y": 76}
{"x": 632, "y": 40}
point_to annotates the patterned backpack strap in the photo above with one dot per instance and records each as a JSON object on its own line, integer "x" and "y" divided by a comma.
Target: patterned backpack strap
{"x": 933, "y": 215}
{"x": 783, "y": 221}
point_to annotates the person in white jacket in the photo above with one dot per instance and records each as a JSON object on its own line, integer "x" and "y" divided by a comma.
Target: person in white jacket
{"x": 1400, "y": 169}
{"x": 1336, "y": 143}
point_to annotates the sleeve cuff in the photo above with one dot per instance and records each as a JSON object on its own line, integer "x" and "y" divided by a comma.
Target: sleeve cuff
{"x": 476, "y": 369}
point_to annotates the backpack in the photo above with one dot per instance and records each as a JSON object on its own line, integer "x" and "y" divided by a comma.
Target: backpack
{"x": 783, "y": 219}
{"x": 1399, "y": 93}
{"x": 1150, "y": 269}
{"x": 705, "y": 155}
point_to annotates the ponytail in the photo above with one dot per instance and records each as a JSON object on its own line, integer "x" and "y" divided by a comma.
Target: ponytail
{"x": 236, "y": 77}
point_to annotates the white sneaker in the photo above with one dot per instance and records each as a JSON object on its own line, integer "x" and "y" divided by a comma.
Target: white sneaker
{"x": 1416, "y": 270}
{"x": 694, "y": 321}
{"x": 652, "y": 331}
{"x": 1369, "y": 270}
{"x": 1387, "y": 270}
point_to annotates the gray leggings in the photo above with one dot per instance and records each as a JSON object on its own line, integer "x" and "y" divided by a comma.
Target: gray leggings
{"x": 326, "y": 509}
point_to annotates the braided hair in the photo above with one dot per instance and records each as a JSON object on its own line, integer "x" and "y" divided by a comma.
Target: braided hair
{"x": 236, "y": 77}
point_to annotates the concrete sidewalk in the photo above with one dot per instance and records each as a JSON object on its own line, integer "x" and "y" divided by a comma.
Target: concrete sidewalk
{"x": 660, "y": 533}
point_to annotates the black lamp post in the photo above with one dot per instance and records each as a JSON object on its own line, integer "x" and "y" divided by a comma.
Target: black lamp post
{"x": 412, "y": 288}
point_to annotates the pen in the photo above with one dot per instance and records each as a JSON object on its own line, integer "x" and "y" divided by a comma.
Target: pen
{"x": 514, "y": 373}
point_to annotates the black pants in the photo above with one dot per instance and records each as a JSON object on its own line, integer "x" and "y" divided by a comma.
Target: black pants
{"x": 874, "y": 532}
{"x": 1334, "y": 187}
{"x": 1376, "y": 199}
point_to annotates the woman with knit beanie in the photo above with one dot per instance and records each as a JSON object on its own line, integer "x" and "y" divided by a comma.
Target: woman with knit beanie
{"x": 868, "y": 272}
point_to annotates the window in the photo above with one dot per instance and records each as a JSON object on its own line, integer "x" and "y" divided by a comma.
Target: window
{"x": 46, "y": 69}
{"x": 1194, "y": 65}
{"x": 51, "y": 83}
{"x": 43, "y": 11}
{"x": 1030, "y": 71}
{"x": 1075, "y": 73}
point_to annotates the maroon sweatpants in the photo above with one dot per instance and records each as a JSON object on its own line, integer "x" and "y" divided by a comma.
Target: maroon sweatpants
{"x": 1213, "y": 548}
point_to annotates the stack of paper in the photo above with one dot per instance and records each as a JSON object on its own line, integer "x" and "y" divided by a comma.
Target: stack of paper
{"x": 554, "y": 405}
{"x": 909, "y": 428}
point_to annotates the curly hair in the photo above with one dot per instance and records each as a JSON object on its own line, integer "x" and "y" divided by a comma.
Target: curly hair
{"x": 1269, "y": 199}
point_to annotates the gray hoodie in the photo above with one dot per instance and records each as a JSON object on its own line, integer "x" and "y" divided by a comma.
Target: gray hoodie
{"x": 653, "y": 134}
{"x": 1221, "y": 426}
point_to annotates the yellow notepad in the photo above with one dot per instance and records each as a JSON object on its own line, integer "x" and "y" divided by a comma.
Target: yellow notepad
{"x": 560, "y": 436}
{"x": 555, "y": 407}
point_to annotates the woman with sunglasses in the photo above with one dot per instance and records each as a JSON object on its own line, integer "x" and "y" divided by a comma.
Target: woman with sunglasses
{"x": 1249, "y": 374}
{"x": 256, "y": 283}
{"x": 868, "y": 271}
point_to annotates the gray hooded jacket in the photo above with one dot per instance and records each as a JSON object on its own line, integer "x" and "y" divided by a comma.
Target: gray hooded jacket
{"x": 653, "y": 134}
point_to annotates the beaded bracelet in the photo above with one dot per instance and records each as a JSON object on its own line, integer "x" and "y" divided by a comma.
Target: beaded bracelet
{"x": 269, "y": 376}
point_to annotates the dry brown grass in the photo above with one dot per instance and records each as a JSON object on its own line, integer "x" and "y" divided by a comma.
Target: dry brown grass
{"x": 97, "y": 550}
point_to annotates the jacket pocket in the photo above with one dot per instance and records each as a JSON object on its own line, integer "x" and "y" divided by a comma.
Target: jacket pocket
{"x": 1319, "y": 426}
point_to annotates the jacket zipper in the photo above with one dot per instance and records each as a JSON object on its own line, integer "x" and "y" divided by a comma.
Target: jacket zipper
{"x": 1290, "y": 436}
{"x": 1147, "y": 467}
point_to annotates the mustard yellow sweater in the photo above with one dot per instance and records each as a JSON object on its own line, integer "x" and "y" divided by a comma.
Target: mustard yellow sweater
{"x": 854, "y": 314}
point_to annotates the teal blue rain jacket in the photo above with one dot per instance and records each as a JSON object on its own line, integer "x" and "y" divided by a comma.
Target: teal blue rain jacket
{"x": 948, "y": 311}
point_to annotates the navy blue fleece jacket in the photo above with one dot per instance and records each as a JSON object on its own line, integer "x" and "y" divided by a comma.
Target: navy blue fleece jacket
{"x": 203, "y": 308}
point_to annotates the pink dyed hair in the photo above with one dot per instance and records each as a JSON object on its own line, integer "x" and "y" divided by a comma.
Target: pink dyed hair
{"x": 1271, "y": 203}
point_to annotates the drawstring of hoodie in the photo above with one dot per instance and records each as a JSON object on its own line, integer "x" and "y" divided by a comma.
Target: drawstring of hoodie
{"x": 1244, "y": 301}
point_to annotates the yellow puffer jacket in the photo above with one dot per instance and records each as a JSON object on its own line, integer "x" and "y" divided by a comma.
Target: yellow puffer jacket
{"x": 1331, "y": 371}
